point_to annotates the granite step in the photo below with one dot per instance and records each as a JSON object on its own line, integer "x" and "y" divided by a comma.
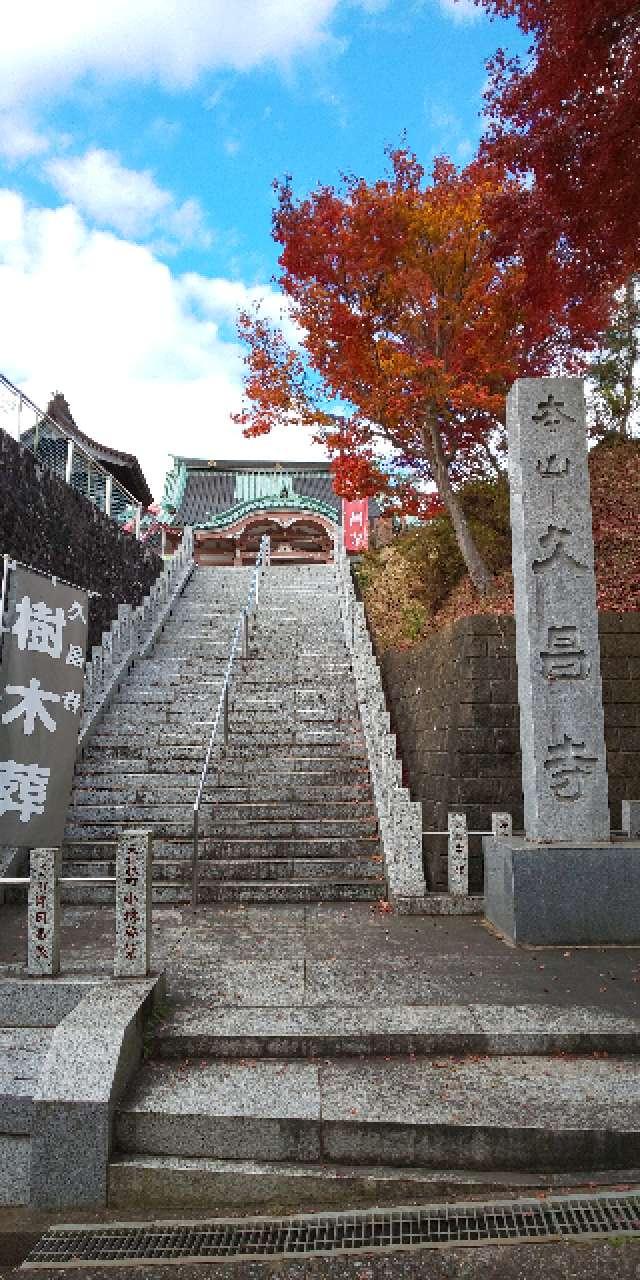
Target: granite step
{"x": 246, "y": 891}
{"x": 384, "y": 1031}
{"x": 241, "y": 1187}
{"x": 158, "y": 821}
{"x": 92, "y": 804}
{"x": 95, "y": 823}
{"x": 177, "y": 732}
{"x": 179, "y": 849}
{"x": 317, "y": 770}
{"x": 130, "y": 784}
{"x": 237, "y": 869}
{"x": 510, "y": 1112}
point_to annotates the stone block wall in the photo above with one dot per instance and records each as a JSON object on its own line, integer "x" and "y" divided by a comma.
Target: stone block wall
{"x": 454, "y": 708}
{"x": 46, "y": 524}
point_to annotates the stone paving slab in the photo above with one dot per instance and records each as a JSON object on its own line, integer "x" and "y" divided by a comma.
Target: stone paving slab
{"x": 344, "y": 955}
{"x": 87, "y": 950}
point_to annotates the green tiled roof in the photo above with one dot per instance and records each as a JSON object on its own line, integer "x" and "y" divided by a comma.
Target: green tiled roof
{"x": 293, "y": 502}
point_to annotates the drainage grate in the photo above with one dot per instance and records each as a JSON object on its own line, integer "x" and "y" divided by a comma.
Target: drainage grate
{"x": 509, "y": 1221}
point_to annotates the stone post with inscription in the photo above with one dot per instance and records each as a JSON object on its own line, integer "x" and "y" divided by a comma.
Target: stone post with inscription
{"x": 133, "y": 905}
{"x": 458, "y": 855}
{"x": 562, "y": 882}
{"x": 43, "y": 913}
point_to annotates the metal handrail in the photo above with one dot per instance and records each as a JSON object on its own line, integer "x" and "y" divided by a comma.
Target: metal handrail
{"x": 73, "y": 448}
{"x": 240, "y": 641}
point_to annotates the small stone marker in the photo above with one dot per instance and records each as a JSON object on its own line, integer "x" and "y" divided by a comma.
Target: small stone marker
{"x": 631, "y": 818}
{"x": 458, "y": 854}
{"x": 501, "y": 826}
{"x": 43, "y": 914}
{"x": 133, "y": 905}
{"x": 559, "y": 687}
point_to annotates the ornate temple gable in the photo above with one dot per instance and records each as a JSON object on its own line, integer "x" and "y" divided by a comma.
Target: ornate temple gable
{"x": 285, "y": 508}
{"x": 198, "y": 491}
{"x": 230, "y": 503}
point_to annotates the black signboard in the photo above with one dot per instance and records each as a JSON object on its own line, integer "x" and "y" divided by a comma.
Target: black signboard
{"x": 44, "y": 637}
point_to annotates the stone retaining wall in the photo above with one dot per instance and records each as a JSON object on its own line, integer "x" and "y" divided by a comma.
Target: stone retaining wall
{"x": 46, "y": 524}
{"x": 454, "y": 708}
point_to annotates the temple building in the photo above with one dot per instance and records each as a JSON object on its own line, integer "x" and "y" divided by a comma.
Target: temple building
{"x": 232, "y": 504}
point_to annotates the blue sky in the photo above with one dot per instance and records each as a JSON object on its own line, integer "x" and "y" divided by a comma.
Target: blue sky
{"x": 138, "y": 144}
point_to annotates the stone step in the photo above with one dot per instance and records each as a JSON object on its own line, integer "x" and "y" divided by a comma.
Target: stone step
{"x": 233, "y": 869}
{"x": 180, "y": 848}
{"x": 241, "y": 1187}
{"x": 388, "y": 1031}
{"x": 175, "y": 745}
{"x": 104, "y": 760}
{"x": 178, "y": 820}
{"x": 349, "y": 747}
{"x": 175, "y": 803}
{"x": 509, "y": 1112}
{"x": 245, "y": 891}
{"x": 288, "y": 701}
{"x": 172, "y": 734}
{"x": 89, "y": 788}
{"x": 256, "y": 724}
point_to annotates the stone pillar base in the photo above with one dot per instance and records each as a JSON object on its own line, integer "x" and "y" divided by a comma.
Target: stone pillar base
{"x": 563, "y": 894}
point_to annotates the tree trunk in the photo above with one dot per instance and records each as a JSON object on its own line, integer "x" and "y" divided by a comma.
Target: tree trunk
{"x": 631, "y": 323}
{"x": 479, "y": 572}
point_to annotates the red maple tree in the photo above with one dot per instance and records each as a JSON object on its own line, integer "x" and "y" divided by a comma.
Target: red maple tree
{"x": 567, "y": 125}
{"x": 411, "y": 334}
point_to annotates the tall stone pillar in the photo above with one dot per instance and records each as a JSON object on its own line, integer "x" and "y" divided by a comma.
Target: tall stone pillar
{"x": 564, "y": 773}
{"x": 566, "y": 882}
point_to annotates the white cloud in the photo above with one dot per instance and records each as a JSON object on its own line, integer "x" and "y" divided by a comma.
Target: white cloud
{"x": 461, "y": 10}
{"x": 46, "y": 47}
{"x": 18, "y": 139}
{"x": 138, "y": 351}
{"x": 221, "y": 300}
{"x": 128, "y": 200}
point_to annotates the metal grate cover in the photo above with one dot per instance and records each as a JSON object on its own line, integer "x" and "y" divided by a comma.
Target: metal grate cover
{"x": 435, "y": 1226}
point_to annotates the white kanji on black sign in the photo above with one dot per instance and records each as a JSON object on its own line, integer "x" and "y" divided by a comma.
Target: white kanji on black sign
{"x": 38, "y": 628}
{"x": 31, "y": 705}
{"x": 76, "y": 613}
{"x": 23, "y": 788}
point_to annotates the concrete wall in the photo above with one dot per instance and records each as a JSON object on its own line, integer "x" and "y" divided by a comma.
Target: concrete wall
{"x": 454, "y": 707}
{"x": 46, "y": 524}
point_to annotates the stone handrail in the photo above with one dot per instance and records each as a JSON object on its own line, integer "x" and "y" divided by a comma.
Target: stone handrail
{"x": 399, "y": 818}
{"x": 132, "y": 635}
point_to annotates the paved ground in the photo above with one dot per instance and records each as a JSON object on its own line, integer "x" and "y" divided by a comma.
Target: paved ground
{"x": 606, "y": 1261}
{"x": 355, "y": 956}
{"x": 347, "y": 954}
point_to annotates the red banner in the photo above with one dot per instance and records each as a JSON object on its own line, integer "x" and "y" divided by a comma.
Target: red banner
{"x": 355, "y": 524}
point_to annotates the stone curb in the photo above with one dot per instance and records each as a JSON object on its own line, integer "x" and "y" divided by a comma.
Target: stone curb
{"x": 94, "y": 1052}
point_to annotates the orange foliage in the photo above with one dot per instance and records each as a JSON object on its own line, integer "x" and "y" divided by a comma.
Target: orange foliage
{"x": 566, "y": 123}
{"x": 411, "y": 332}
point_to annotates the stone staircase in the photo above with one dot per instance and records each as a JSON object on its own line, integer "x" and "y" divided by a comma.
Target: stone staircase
{"x": 288, "y": 813}
{"x": 301, "y": 1109}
